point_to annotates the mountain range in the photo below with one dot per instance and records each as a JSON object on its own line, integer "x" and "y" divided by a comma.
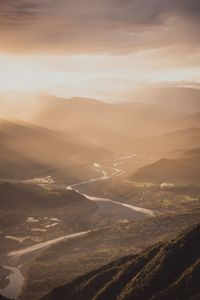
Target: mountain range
{"x": 106, "y": 124}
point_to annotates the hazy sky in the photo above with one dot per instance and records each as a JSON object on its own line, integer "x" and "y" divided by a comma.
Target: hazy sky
{"x": 98, "y": 48}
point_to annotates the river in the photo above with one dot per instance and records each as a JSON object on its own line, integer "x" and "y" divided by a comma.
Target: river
{"x": 16, "y": 279}
{"x": 106, "y": 176}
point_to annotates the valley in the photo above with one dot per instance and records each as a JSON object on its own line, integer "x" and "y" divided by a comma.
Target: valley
{"x": 99, "y": 150}
{"x": 70, "y": 205}
{"x": 98, "y": 223}
{"x": 106, "y": 208}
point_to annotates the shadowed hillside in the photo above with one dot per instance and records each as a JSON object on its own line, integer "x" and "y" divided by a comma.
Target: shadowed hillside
{"x": 28, "y": 150}
{"x": 186, "y": 169}
{"x": 18, "y": 202}
{"x": 165, "y": 271}
{"x": 3, "y": 298}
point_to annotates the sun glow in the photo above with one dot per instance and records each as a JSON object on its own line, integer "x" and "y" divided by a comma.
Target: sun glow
{"x": 103, "y": 76}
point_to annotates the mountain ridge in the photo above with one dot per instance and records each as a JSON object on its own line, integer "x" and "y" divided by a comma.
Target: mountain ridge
{"x": 163, "y": 271}
{"x": 182, "y": 170}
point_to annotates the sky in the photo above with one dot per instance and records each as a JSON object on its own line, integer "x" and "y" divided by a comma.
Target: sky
{"x": 98, "y": 48}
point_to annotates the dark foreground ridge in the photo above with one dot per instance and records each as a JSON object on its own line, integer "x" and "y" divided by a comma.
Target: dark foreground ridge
{"x": 165, "y": 271}
{"x": 3, "y": 298}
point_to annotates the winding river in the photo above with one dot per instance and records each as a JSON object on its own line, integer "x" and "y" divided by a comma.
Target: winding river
{"x": 16, "y": 282}
{"x": 16, "y": 279}
{"x": 105, "y": 176}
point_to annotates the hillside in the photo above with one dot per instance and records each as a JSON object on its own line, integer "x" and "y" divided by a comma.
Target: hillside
{"x": 186, "y": 138}
{"x": 28, "y": 151}
{"x": 3, "y": 298}
{"x": 80, "y": 256}
{"x": 186, "y": 169}
{"x": 191, "y": 120}
{"x": 165, "y": 271}
{"x": 108, "y": 125}
{"x": 91, "y": 119}
{"x": 176, "y": 99}
{"x": 18, "y": 202}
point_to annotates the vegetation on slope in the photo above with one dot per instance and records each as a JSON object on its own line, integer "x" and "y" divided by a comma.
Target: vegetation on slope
{"x": 165, "y": 271}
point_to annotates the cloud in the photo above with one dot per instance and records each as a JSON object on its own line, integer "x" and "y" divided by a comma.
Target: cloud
{"x": 98, "y": 26}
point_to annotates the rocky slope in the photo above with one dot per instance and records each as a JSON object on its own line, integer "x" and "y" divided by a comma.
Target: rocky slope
{"x": 165, "y": 271}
